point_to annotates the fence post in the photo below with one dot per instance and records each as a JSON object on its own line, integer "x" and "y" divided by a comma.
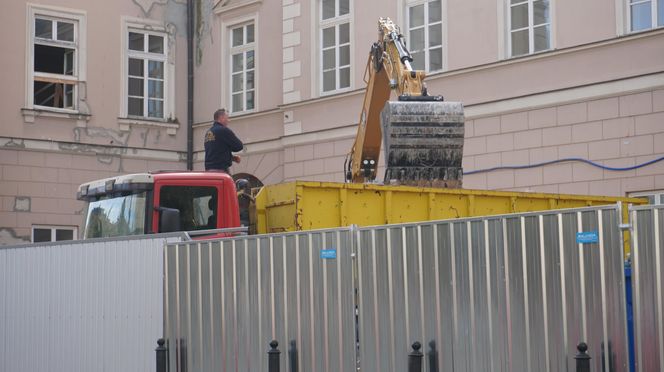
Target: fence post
{"x": 415, "y": 358}
{"x": 162, "y": 356}
{"x": 433, "y": 356}
{"x": 273, "y": 357}
{"x": 292, "y": 356}
{"x": 582, "y": 358}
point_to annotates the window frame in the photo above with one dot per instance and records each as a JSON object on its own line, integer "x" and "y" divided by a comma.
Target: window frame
{"x": 443, "y": 40}
{"x": 531, "y": 28}
{"x": 228, "y": 23}
{"x": 53, "y": 228}
{"x": 78, "y": 18}
{"x": 242, "y": 48}
{"x": 335, "y": 22}
{"x": 147, "y": 27}
{"x": 654, "y": 5}
{"x": 658, "y": 195}
{"x": 187, "y": 197}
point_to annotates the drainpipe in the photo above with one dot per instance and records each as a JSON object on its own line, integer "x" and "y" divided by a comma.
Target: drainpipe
{"x": 190, "y": 84}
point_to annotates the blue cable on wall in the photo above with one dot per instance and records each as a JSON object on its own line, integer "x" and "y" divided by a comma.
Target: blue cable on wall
{"x": 617, "y": 169}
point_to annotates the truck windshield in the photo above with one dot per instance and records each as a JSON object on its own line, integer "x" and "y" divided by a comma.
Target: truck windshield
{"x": 115, "y": 216}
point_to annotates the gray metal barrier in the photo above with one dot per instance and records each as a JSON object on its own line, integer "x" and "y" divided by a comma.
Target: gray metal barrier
{"x": 227, "y": 299}
{"x": 81, "y": 306}
{"x": 648, "y": 272}
{"x": 505, "y": 293}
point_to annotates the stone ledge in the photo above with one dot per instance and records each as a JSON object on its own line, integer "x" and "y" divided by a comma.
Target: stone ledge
{"x": 126, "y": 123}
{"x": 29, "y": 115}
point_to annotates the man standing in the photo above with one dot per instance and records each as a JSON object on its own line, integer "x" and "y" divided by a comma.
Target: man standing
{"x": 220, "y": 141}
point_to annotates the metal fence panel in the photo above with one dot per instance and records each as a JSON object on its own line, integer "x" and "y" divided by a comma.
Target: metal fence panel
{"x": 504, "y": 293}
{"x": 648, "y": 274}
{"x": 227, "y": 299}
{"x": 82, "y": 306}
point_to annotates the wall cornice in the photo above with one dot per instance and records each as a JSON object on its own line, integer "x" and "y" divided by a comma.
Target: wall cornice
{"x": 221, "y": 8}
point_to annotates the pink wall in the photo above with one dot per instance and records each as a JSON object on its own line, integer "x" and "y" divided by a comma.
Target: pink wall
{"x": 583, "y": 22}
{"x": 617, "y": 131}
{"x": 103, "y": 81}
{"x": 597, "y": 94}
{"x": 472, "y": 33}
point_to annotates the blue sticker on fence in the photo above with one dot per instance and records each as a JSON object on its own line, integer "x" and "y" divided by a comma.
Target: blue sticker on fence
{"x": 328, "y": 254}
{"x": 587, "y": 237}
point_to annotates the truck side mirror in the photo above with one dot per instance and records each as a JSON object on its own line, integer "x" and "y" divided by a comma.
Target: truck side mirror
{"x": 169, "y": 219}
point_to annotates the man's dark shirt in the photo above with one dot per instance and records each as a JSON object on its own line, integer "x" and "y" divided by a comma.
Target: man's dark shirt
{"x": 220, "y": 141}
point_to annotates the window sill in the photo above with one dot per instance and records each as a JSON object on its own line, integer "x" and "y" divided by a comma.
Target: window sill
{"x": 239, "y": 114}
{"x": 126, "y": 123}
{"x": 530, "y": 54}
{"x": 636, "y": 32}
{"x": 29, "y": 115}
{"x": 335, "y": 92}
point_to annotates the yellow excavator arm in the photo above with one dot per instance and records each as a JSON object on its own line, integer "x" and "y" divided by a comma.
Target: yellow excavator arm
{"x": 410, "y": 121}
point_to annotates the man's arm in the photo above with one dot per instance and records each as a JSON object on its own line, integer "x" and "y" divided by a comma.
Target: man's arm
{"x": 232, "y": 141}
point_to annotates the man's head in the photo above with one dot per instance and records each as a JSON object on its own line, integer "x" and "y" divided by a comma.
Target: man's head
{"x": 221, "y": 117}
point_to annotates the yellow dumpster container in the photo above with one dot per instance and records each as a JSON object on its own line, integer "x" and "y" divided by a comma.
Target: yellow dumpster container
{"x": 305, "y": 205}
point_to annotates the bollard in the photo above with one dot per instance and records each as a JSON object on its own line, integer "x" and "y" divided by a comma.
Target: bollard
{"x": 582, "y": 359}
{"x": 162, "y": 356}
{"x": 433, "y": 356}
{"x": 292, "y": 357}
{"x": 415, "y": 358}
{"x": 273, "y": 357}
{"x": 181, "y": 352}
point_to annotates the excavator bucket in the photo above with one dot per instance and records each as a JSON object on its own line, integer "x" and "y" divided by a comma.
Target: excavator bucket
{"x": 423, "y": 143}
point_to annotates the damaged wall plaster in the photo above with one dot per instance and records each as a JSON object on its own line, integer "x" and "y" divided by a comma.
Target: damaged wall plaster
{"x": 204, "y": 18}
{"x": 8, "y": 236}
{"x": 118, "y": 138}
{"x": 105, "y": 154}
{"x": 145, "y": 135}
{"x": 147, "y": 5}
{"x": 22, "y": 204}
{"x": 13, "y": 143}
{"x": 175, "y": 14}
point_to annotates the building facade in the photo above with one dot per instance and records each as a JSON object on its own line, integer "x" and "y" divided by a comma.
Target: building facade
{"x": 561, "y": 97}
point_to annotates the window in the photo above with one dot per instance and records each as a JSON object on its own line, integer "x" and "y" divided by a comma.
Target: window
{"x": 243, "y": 68}
{"x": 645, "y": 14}
{"x": 53, "y": 233}
{"x": 425, "y": 34}
{"x": 530, "y": 26}
{"x": 654, "y": 197}
{"x": 335, "y": 44}
{"x": 196, "y": 204}
{"x": 115, "y": 216}
{"x": 146, "y": 74}
{"x": 55, "y": 58}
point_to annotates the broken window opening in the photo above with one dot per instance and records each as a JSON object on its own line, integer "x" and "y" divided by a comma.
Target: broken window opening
{"x": 57, "y": 95}
{"x": 54, "y": 60}
{"x": 54, "y": 56}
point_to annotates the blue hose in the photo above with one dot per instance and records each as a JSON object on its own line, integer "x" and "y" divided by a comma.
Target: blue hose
{"x": 617, "y": 169}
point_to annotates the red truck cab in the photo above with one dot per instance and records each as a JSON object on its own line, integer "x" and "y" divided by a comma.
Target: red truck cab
{"x": 147, "y": 203}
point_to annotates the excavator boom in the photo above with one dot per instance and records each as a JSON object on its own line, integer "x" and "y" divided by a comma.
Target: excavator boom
{"x": 422, "y": 135}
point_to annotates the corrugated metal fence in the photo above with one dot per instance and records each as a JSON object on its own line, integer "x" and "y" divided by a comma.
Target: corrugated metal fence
{"x": 648, "y": 265}
{"x": 504, "y": 293}
{"x": 507, "y": 293}
{"x": 82, "y": 306}
{"x": 227, "y": 299}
